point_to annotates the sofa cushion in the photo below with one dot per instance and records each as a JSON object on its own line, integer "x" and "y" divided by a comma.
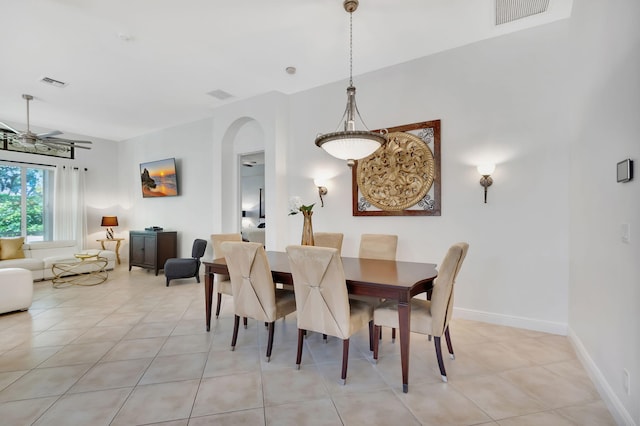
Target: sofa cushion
{"x": 11, "y": 248}
{"x": 27, "y": 263}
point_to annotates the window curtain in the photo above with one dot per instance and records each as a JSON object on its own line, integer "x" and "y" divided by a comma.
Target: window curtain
{"x": 69, "y": 206}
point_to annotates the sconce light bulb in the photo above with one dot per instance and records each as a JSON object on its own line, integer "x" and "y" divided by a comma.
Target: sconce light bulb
{"x": 486, "y": 169}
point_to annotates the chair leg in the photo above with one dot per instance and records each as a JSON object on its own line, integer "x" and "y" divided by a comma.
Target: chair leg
{"x": 218, "y": 304}
{"x": 168, "y": 279}
{"x": 393, "y": 334}
{"x": 376, "y": 343}
{"x": 236, "y": 324}
{"x": 300, "y": 340}
{"x": 324, "y": 338}
{"x": 371, "y": 334}
{"x": 244, "y": 321}
{"x": 345, "y": 360}
{"x": 198, "y": 278}
{"x": 270, "y": 341}
{"x": 447, "y": 337}
{"x": 443, "y": 372}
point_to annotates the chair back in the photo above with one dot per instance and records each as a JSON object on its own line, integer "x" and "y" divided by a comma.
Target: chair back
{"x": 322, "y": 300}
{"x": 218, "y": 239}
{"x": 199, "y": 246}
{"x": 442, "y": 295}
{"x": 328, "y": 239}
{"x": 251, "y": 281}
{"x": 378, "y": 246}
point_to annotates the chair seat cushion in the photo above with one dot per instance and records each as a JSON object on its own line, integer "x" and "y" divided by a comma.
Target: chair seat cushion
{"x": 386, "y": 315}
{"x": 181, "y": 268}
{"x": 224, "y": 287}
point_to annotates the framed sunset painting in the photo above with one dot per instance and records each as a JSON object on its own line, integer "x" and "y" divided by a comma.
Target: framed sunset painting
{"x": 159, "y": 178}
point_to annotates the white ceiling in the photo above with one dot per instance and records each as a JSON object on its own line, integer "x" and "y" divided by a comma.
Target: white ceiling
{"x": 135, "y": 66}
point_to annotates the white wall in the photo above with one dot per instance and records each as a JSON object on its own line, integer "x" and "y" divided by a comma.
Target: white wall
{"x": 604, "y": 303}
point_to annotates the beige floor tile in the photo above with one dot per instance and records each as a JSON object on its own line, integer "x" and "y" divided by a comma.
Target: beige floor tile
{"x": 9, "y": 377}
{"x": 55, "y": 338}
{"x": 321, "y": 412}
{"x": 541, "y": 350}
{"x": 420, "y": 370}
{"x": 440, "y": 405}
{"x": 228, "y": 393}
{"x": 102, "y": 334}
{"x": 110, "y": 375}
{"x": 223, "y": 363}
{"x": 24, "y": 412}
{"x": 81, "y": 321}
{"x": 120, "y": 318}
{"x": 552, "y": 390}
{"x": 88, "y": 408}
{"x": 497, "y": 397}
{"x": 153, "y": 329}
{"x": 175, "y": 368}
{"x": 573, "y": 371}
{"x": 590, "y": 414}
{"x": 284, "y": 386}
{"x": 190, "y": 326}
{"x": 361, "y": 377}
{"x": 158, "y": 403}
{"x": 191, "y": 343}
{"x": 43, "y": 382}
{"x": 373, "y": 408}
{"x": 136, "y": 348}
{"x": 25, "y": 359}
{"x": 236, "y": 418}
{"x": 545, "y": 418}
{"x": 495, "y": 356}
{"x": 78, "y": 354}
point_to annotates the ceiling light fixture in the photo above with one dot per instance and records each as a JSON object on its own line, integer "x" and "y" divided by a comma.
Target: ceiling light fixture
{"x": 351, "y": 144}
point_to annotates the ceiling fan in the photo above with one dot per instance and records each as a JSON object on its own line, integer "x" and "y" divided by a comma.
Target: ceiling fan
{"x": 45, "y": 141}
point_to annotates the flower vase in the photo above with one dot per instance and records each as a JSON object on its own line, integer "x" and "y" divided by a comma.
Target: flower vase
{"x": 307, "y": 229}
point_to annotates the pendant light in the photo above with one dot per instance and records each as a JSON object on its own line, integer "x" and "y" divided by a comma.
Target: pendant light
{"x": 351, "y": 144}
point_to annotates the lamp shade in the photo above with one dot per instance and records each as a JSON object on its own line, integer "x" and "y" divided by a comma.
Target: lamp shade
{"x": 486, "y": 169}
{"x": 109, "y": 221}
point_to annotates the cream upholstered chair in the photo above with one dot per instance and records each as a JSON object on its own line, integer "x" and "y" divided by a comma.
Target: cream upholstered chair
{"x": 254, "y": 293}
{"x": 378, "y": 246}
{"x": 328, "y": 239}
{"x": 322, "y": 300}
{"x": 223, "y": 282}
{"x": 429, "y": 317}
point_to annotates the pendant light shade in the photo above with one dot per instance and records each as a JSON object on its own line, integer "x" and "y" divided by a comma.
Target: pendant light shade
{"x": 351, "y": 144}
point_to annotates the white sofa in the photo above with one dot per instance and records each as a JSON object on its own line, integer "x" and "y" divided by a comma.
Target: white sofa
{"x": 16, "y": 290}
{"x": 255, "y": 235}
{"x": 39, "y": 257}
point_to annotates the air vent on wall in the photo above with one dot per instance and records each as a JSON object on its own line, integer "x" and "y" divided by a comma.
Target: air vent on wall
{"x": 512, "y": 10}
{"x": 220, "y": 94}
{"x": 53, "y": 82}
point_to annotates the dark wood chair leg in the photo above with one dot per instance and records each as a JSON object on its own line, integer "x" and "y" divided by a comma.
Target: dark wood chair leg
{"x": 244, "y": 321}
{"x": 345, "y": 360}
{"x": 376, "y": 342}
{"x": 371, "y": 334}
{"x": 393, "y": 334}
{"x": 324, "y": 338}
{"x": 447, "y": 337}
{"x": 218, "y": 304}
{"x": 270, "y": 341}
{"x": 236, "y": 324}
{"x": 300, "y": 340}
{"x": 443, "y": 372}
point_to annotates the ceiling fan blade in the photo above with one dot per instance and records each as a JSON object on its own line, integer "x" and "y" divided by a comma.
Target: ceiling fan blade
{"x": 64, "y": 141}
{"x": 49, "y": 134}
{"x": 6, "y": 126}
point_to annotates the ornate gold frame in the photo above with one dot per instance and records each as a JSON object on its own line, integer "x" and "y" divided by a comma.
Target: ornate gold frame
{"x": 404, "y": 176}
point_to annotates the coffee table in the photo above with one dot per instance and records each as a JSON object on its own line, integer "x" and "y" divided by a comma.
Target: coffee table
{"x": 85, "y": 269}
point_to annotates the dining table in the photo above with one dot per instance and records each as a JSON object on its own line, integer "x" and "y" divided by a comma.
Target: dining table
{"x": 384, "y": 279}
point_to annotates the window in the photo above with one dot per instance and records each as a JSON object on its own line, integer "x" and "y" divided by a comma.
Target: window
{"x": 26, "y": 202}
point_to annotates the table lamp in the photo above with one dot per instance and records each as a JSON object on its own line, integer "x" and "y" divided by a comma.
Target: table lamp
{"x": 109, "y": 222}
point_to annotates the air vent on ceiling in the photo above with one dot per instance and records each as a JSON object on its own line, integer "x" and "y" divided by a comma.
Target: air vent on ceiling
{"x": 512, "y": 10}
{"x": 220, "y": 94}
{"x": 53, "y": 82}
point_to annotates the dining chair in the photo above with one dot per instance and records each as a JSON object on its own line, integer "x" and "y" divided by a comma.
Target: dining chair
{"x": 328, "y": 239}
{"x": 254, "y": 293}
{"x": 322, "y": 300}
{"x": 188, "y": 267}
{"x": 430, "y": 317}
{"x": 378, "y": 246}
{"x": 222, "y": 282}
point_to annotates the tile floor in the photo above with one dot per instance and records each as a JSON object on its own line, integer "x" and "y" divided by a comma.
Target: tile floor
{"x": 134, "y": 352}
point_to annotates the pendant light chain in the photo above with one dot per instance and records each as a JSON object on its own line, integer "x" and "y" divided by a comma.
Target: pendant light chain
{"x": 350, "y": 48}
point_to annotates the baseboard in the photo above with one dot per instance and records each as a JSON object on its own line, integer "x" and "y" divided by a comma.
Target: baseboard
{"x": 511, "y": 321}
{"x": 615, "y": 406}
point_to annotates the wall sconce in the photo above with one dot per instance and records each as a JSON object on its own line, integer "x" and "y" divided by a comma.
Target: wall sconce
{"x": 485, "y": 181}
{"x": 109, "y": 222}
{"x": 322, "y": 189}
